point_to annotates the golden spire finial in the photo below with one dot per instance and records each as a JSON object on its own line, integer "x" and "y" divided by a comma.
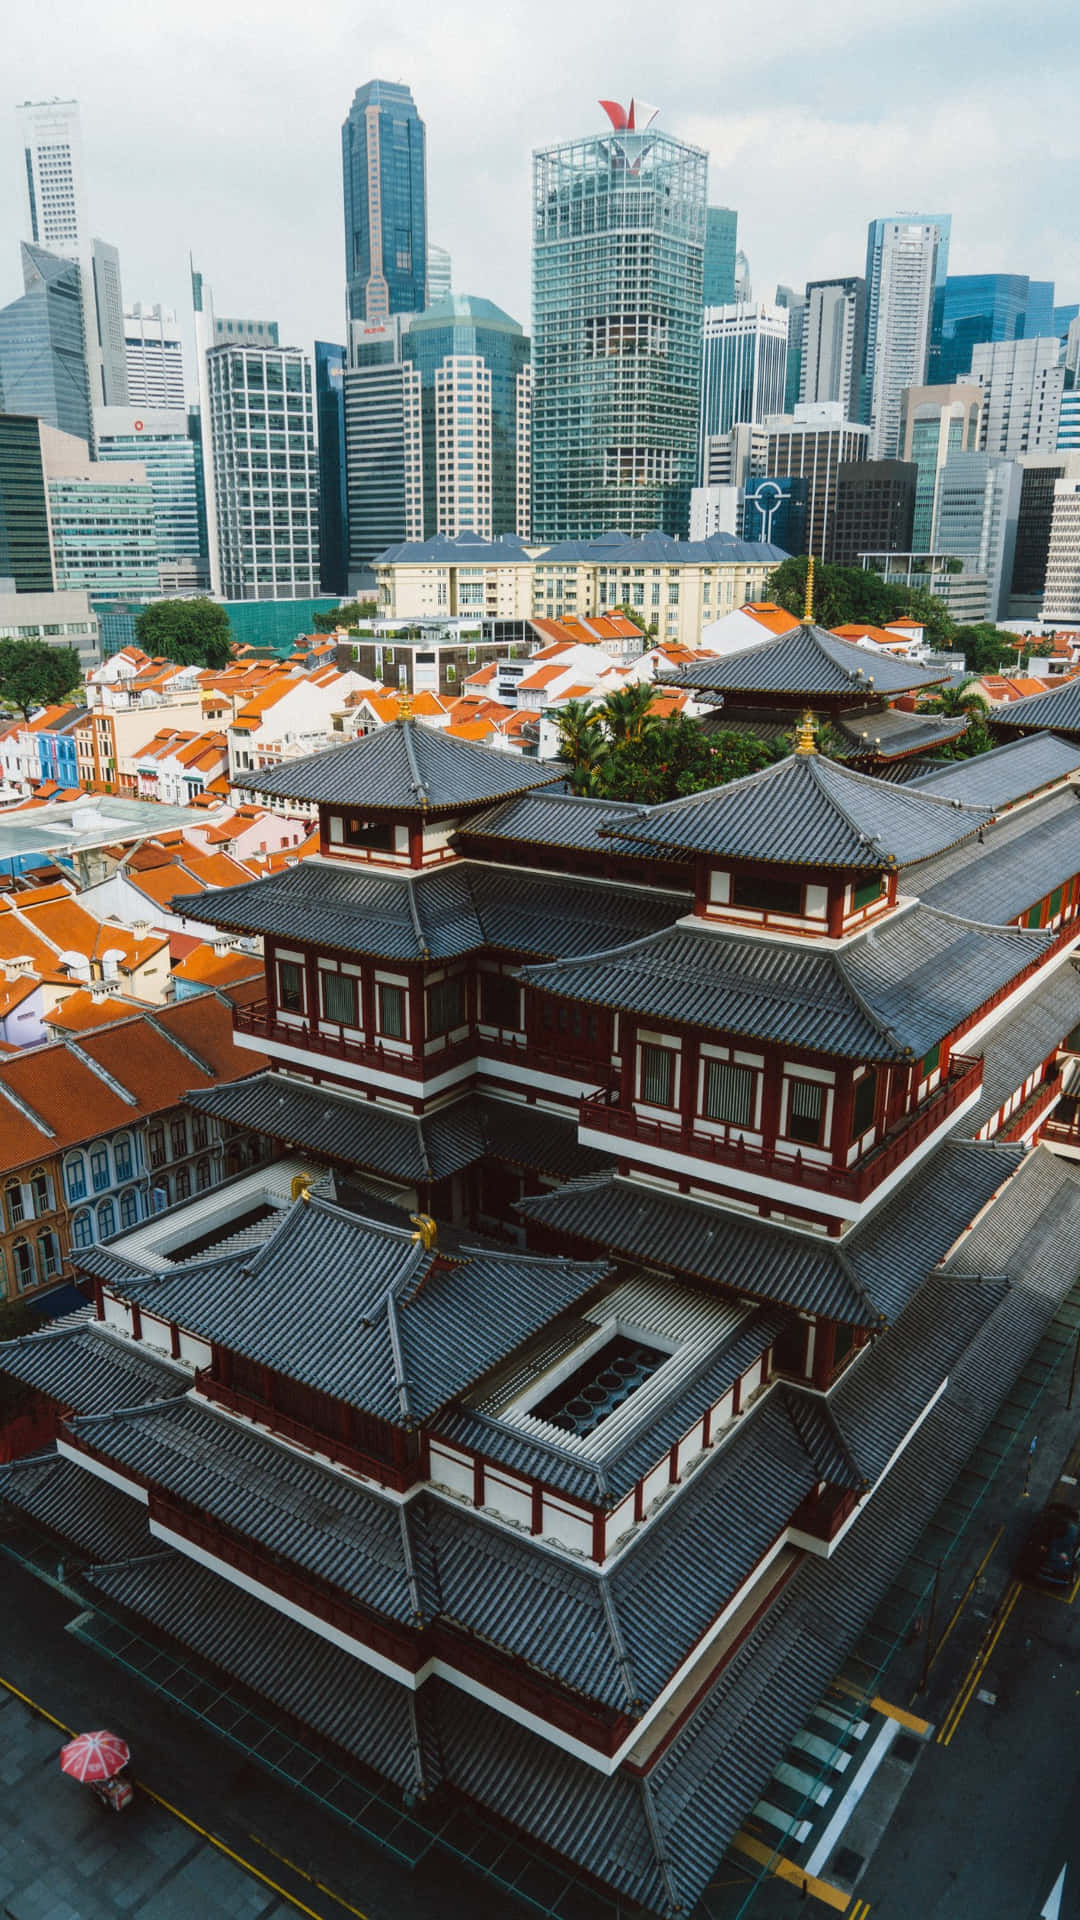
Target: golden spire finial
{"x": 806, "y": 737}
{"x": 404, "y": 702}
{"x": 808, "y": 610}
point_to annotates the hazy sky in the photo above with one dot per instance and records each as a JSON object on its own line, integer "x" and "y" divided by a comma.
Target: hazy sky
{"x": 215, "y": 126}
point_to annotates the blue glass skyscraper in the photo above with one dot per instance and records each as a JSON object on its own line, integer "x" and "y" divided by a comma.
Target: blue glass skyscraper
{"x": 384, "y": 174}
{"x": 721, "y": 240}
{"x": 978, "y": 307}
{"x": 330, "y": 421}
{"x": 43, "y": 368}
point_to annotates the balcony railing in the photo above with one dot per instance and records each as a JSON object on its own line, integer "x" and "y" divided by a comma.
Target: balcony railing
{"x": 1025, "y": 1117}
{"x": 595, "y": 1070}
{"x": 259, "y": 1019}
{"x": 1063, "y": 1125}
{"x": 342, "y": 1452}
{"x": 788, "y": 1164}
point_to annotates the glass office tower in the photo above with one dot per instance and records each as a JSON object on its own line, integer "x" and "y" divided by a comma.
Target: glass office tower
{"x": 473, "y": 363}
{"x": 978, "y": 307}
{"x": 330, "y": 420}
{"x": 721, "y": 240}
{"x": 618, "y": 254}
{"x": 25, "y": 539}
{"x": 43, "y": 368}
{"x": 385, "y": 183}
{"x": 160, "y": 439}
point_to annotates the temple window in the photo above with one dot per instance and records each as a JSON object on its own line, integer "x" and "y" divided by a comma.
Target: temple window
{"x": 339, "y": 998}
{"x": 657, "y": 1074}
{"x": 729, "y": 1093}
{"x": 500, "y": 1001}
{"x": 446, "y": 1005}
{"x": 806, "y": 1108}
{"x": 862, "y": 1112}
{"x": 390, "y": 1001}
{"x": 377, "y": 836}
{"x": 767, "y": 895}
{"x": 290, "y": 986}
{"x": 871, "y": 890}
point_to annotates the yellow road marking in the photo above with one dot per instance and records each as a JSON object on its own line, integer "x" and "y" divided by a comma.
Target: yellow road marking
{"x": 859, "y": 1911}
{"x": 185, "y": 1818}
{"x": 971, "y": 1680}
{"x": 906, "y": 1719}
{"x": 319, "y": 1885}
{"x": 963, "y": 1600}
{"x": 766, "y": 1856}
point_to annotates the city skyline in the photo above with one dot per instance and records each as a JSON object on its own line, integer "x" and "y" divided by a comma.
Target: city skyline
{"x": 858, "y": 159}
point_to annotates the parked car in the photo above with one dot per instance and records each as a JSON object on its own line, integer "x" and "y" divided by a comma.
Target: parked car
{"x": 1051, "y": 1552}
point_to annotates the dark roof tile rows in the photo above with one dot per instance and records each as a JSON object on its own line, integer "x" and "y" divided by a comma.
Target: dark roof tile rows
{"x": 1023, "y": 857}
{"x": 1056, "y": 711}
{"x": 806, "y": 810}
{"x": 890, "y": 994}
{"x": 1006, "y": 774}
{"x": 84, "y": 1367}
{"x": 79, "y": 1507}
{"x": 404, "y": 767}
{"x": 808, "y": 662}
{"x": 1023, "y": 1039}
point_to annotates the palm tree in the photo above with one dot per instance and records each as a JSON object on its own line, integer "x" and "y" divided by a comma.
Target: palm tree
{"x": 951, "y": 702}
{"x": 581, "y": 743}
{"x": 626, "y": 714}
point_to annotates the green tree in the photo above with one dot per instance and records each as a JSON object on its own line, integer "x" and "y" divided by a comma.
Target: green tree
{"x": 950, "y": 702}
{"x": 843, "y": 594}
{"x": 347, "y": 615}
{"x": 626, "y": 715}
{"x": 33, "y": 674}
{"x": 193, "y": 633}
{"x": 984, "y": 647}
{"x": 976, "y": 738}
{"x": 582, "y": 744}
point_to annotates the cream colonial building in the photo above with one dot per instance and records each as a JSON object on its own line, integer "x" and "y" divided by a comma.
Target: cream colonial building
{"x": 677, "y": 586}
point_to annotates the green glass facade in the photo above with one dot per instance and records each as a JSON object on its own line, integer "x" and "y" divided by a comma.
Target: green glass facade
{"x": 721, "y": 241}
{"x": 479, "y": 416}
{"x": 25, "y": 547}
{"x": 103, "y": 535}
{"x": 618, "y": 262}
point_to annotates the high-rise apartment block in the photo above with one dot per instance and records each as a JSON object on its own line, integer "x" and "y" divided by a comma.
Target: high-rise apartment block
{"x": 618, "y": 251}
{"x": 385, "y": 187}
{"x": 721, "y": 241}
{"x": 56, "y": 220}
{"x": 1040, "y": 475}
{"x": 261, "y": 434}
{"x": 43, "y": 365}
{"x": 834, "y": 338}
{"x": 154, "y": 356}
{"x": 743, "y": 368}
{"x": 906, "y": 269}
{"x": 937, "y": 423}
{"x": 159, "y": 439}
{"x": 813, "y": 443}
{"x": 875, "y": 508}
{"x": 1022, "y": 385}
{"x": 1061, "y": 600}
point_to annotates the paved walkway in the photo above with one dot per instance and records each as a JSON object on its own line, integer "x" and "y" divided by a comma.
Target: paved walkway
{"x": 63, "y": 1856}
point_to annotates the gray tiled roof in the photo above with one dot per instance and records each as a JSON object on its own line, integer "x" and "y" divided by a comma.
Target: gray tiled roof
{"x": 96, "y": 1518}
{"x": 1023, "y": 856}
{"x": 807, "y": 661}
{"x": 890, "y": 994}
{"x": 868, "y": 1276}
{"x": 320, "y": 1684}
{"x": 327, "y": 1524}
{"x": 82, "y": 1367}
{"x": 1023, "y": 1039}
{"x": 407, "y": 1146}
{"x": 1057, "y": 711}
{"x": 1005, "y": 774}
{"x": 650, "y": 549}
{"x": 404, "y": 766}
{"x": 549, "y": 819}
{"x": 439, "y": 915}
{"x": 362, "y": 1312}
{"x": 807, "y": 810}
{"x": 891, "y": 732}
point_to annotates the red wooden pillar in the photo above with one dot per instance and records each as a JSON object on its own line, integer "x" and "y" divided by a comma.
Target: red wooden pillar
{"x": 824, "y": 1352}
{"x": 417, "y": 1014}
{"x": 836, "y": 909}
{"x": 628, "y": 1042}
{"x": 688, "y": 1069}
{"x": 770, "y": 1102}
{"x": 312, "y": 975}
{"x": 843, "y": 1106}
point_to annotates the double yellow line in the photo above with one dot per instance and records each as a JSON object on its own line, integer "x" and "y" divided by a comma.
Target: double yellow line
{"x": 859, "y": 1911}
{"x": 974, "y": 1673}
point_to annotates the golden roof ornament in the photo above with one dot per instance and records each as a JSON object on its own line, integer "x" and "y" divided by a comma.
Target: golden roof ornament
{"x": 806, "y": 737}
{"x": 808, "y": 609}
{"x": 404, "y": 702}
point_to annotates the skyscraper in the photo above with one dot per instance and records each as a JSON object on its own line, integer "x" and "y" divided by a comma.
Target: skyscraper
{"x": 875, "y": 505}
{"x": 56, "y": 218}
{"x": 979, "y": 306}
{"x": 618, "y": 251}
{"x": 159, "y": 439}
{"x": 383, "y": 449}
{"x": 813, "y": 443}
{"x": 1022, "y": 386}
{"x": 25, "y": 535}
{"x": 43, "y": 366}
{"x": 473, "y": 361}
{"x": 937, "y": 423}
{"x": 834, "y": 342}
{"x": 330, "y": 417}
{"x": 439, "y": 274}
{"x": 794, "y": 305}
{"x": 101, "y": 517}
{"x": 721, "y": 240}
{"x": 154, "y": 357}
{"x": 906, "y": 270}
{"x": 385, "y": 187}
{"x": 978, "y": 505}
{"x": 743, "y": 368}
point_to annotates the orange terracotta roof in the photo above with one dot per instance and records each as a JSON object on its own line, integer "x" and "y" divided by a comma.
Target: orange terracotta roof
{"x": 916, "y": 625}
{"x": 160, "y": 883}
{"x": 768, "y": 614}
{"x": 82, "y": 1010}
{"x": 556, "y": 648}
{"x": 12, "y": 992}
{"x": 543, "y": 677}
{"x": 209, "y": 969}
{"x": 274, "y": 862}
{"x": 577, "y": 692}
{"x": 483, "y": 675}
{"x": 215, "y": 870}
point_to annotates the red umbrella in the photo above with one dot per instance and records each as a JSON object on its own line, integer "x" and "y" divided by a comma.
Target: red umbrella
{"x": 94, "y": 1756}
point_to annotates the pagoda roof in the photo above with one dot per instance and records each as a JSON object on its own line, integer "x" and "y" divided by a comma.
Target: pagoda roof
{"x": 82, "y": 1367}
{"x": 808, "y": 811}
{"x": 1055, "y": 711}
{"x": 1015, "y": 771}
{"x": 435, "y": 914}
{"x": 1023, "y": 857}
{"x": 890, "y": 993}
{"x": 552, "y": 819}
{"x": 1024, "y": 1038}
{"x": 876, "y": 733}
{"x": 808, "y": 662}
{"x": 360, "y": 1310}
{"x": 867, "y": 1277}
{"x": 404, "y": 767}
{"x": 56, "y": 1493}
{"x": 345, "y": 1127}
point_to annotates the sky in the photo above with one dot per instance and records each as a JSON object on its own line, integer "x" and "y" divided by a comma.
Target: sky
{"x": 214, "y": 129}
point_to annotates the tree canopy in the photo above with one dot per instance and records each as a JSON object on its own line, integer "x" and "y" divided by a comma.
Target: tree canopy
{"x": 345, "y": 616}
{"x": 843, "y": 594}
{"x": 193, "y": 633}
{"x": 33, "y": 674}
{"x": 619, "y": 750}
